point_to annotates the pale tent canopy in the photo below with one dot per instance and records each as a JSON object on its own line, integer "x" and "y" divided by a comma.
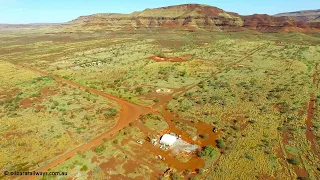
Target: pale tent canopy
{"x": 168, "y": 139}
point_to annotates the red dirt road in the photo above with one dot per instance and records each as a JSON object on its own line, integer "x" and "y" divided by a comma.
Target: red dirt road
{"x": 129, "y": 112}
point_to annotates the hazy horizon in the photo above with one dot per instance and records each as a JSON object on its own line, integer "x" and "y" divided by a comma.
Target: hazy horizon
{"x": 41, "y": 11}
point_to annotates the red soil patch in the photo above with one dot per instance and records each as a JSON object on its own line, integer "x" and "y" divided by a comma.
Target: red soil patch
{"x": 285, "y": 137}
{"x": 95, "y": 160}
{"x": 310, "y": 115}
{"x": 69, "y": 133}
{"x": 129, "y": 113}
{"x": 309, "y": 134}
{"x": 195, "y": 162}
{"x": 125, "y": 141}
{"x": 9, "y": 92}
{"x": 90, "y": 175}
{"x": 27, "y": 102}
{"x": 12, "y": 134}
{"x": 301, "y": 172}
{"x": 129, "y": 166}
{"x": 160, "y": 58}
{"x": 170, "y": 24}
{"x": 109, "y": 165}
{"x": 202, "y": 128}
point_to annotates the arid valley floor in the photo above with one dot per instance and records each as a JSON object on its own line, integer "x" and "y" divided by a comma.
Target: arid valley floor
{"x": 78, "y": 100}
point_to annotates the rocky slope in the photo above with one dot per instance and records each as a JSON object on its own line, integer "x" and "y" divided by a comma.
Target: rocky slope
{"x": 305, "y": 16}
{"x": 191, "y": 16}
{"x": 263, "y": 22}
{"x": 311, "y": 17}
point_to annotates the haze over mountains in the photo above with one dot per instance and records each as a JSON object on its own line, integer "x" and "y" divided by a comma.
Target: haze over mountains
{"x": 305, "y": 16}
{"x": 196, "y": 16}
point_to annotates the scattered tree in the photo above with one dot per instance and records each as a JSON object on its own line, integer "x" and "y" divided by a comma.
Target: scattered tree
{"x": 221, "y": 144}
{"x": 208, "y": 151}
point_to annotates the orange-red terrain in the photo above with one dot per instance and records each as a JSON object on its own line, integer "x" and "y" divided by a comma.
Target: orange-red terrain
{"x": 189, "y": 17}
{"x": 194, "y": 16}
{"x": 129, "y": 112}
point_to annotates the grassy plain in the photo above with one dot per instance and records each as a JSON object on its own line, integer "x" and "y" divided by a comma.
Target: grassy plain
{"x": 257, "y": 89}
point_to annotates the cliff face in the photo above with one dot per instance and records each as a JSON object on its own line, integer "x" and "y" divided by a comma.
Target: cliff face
{"x": 310, "y": 17}
{"x": 263, "y": 22}
{"x": 190, "y": 16}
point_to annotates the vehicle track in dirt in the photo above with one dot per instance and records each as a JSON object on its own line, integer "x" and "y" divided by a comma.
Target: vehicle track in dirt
{"x": 310, "y": 115}
{"x": 129, "y": 112}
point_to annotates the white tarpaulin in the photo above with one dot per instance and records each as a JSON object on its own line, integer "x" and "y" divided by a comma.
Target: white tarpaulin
{"x": 168, "y": 139}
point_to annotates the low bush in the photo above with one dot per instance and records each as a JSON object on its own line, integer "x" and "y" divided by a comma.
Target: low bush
{"x": 208, "y": 151}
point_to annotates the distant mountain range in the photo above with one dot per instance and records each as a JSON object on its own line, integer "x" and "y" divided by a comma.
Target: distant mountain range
{"x": 194, "y": 16}
{"x": 305, "y": 16}
{"x": 197, "y": 16}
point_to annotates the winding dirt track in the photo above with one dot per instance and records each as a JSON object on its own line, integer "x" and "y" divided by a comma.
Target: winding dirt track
{"x": 129, "y": 112}
{"x": 310, "y": 115}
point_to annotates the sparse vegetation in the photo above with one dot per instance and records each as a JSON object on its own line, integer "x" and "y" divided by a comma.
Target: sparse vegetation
{"x": 244, "y": 84}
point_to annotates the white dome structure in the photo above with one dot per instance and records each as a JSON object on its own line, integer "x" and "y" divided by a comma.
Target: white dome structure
{"x": 168, "y": 139}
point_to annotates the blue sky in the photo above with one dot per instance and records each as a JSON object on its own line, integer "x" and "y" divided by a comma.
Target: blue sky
{"x": 54, "y": 11}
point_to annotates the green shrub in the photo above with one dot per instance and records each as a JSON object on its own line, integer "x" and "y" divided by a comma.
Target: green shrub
{"x": 208, "y": 151}
{"x": 84, "y": 168}
{"x": 112, "y": 112}
{"x": 203, "y": 136}
{"x": 55, "y": 103}
{"x": 252, "y": 121}
{"x": 175, "y": 176}
{"x": 139, "y": 89}
{"x": 99, "y": 149}
{"x": 248, "y": 156}
{"x": 221, "y": 144}
{"x": 293, "y": 161}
